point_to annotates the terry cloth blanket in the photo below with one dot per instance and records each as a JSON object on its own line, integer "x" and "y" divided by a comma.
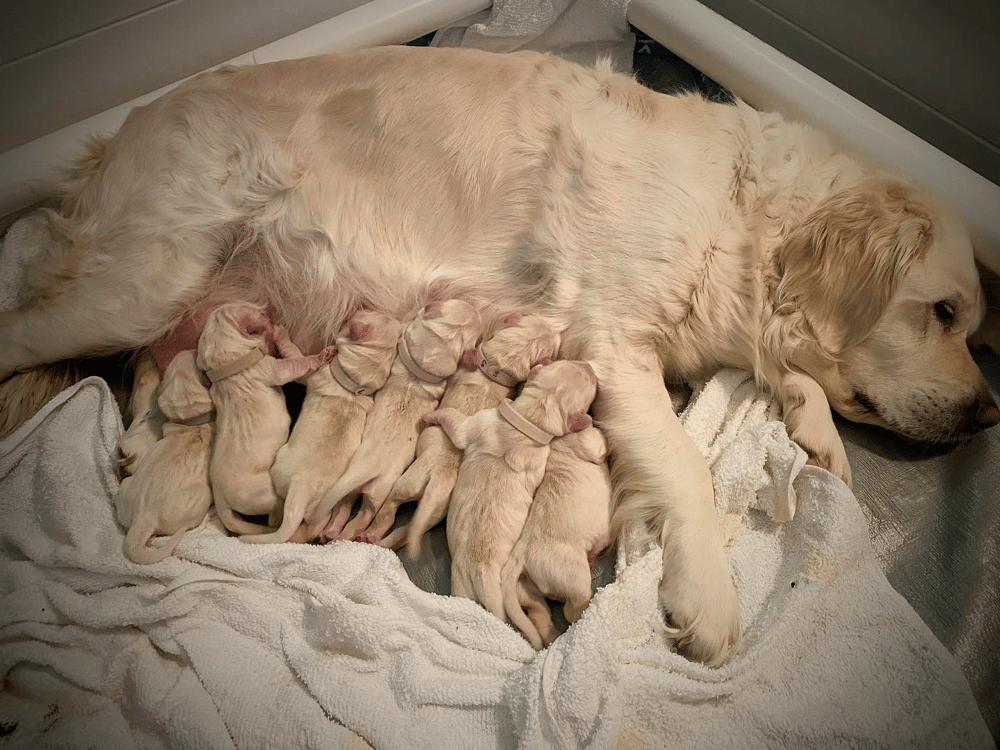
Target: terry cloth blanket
{"x": 228, "y": 644}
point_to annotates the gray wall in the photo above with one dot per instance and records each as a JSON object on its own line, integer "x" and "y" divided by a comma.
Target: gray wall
{"x": 932, "y": 66}
{"x": 62, "y": 61}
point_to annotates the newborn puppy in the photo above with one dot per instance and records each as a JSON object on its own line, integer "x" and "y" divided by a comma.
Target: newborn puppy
{"x": 505, "y": 451}
{"x": 169, "y": 492}
{"x": 427, "y": 355}
{"x": 252, "y": 421}
{"x": 567, "y": 527}
{"x": 494, "y": 369}
{"x": 328, "y": 430}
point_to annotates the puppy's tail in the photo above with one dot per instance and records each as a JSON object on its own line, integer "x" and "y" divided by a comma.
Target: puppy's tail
{"x": 513, "y": 593}
{"x": 300, "y": 491}
{"x": 433, "y": 506}
{"x": 22, "y": 394}
{"x": 235, "y": 523}
{"x": 139, "y": 550}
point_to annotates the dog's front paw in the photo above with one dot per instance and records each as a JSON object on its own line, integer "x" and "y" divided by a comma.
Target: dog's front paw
{"x": 824, "y": 447}
{"x": 700, "y": 600}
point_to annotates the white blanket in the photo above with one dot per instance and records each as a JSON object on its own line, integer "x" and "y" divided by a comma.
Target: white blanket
{"x": 229, "y": 644}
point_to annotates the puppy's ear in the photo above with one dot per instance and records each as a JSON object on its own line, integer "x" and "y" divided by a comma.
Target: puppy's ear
{"x": 359, "y": 332}
{"x": 470, "y": 358}
{"x": 533, "y": 372}
{"x": 512, "y": 320}
{"x": 546, "y": 360}
{"x": 578, "y": 421}
{"x": 433, "y": 310}
{"x": 841, "y": 267}
{"x": 254, "y": 324}
{"x": 182, "y": 393}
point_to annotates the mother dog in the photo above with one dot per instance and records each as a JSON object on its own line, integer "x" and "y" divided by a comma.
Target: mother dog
{"x": 666, "y": 236}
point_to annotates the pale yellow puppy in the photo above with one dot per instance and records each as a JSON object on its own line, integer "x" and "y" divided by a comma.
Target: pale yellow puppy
{"x": 566, "y": 529}
{"x": 169, "y": 491}
{"x": 493, "y": 371}
{"x": 329, "y": 427}
{"x": 504, "y": 454}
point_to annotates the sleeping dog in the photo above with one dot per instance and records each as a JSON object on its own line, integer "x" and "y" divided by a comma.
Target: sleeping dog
{"x": 664, "y": 236}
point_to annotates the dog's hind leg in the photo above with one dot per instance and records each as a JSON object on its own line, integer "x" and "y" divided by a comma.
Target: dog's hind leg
{"x": 24, "y": 393}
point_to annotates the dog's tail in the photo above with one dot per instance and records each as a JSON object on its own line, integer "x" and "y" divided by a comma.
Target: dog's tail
{"x": 22, "y": 394}
{"x": 300, "y": 491}
{"x": 514, "y": 593}
{"x": 432, "y": 507}
{"x": 139, "y": 550}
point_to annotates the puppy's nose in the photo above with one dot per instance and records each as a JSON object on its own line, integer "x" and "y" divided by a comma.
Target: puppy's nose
{"x": 986, "y": 412}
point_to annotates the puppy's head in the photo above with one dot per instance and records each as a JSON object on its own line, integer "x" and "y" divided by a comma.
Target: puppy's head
{"x": 367, "y": 345}
{"x": 439, "y": 335}
{"x": 520, "y": 343}
{"x": 231, "y": 331}
{"x": 877, "y": 291}
{"x": 565, "y": 389}
{"x": 182, "y": 393}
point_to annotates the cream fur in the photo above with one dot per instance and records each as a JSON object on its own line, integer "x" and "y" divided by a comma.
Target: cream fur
{"x": 566, "y": 528}
{"x": 330, "y": 425}
{"x": 666, "y": 236}
{"x": 515, "y": 346}
{"x": 500, "y": 470}
{"x": 437, "y": 338}
{"x": 252, "y": 422}
{"x": 169, "y": 492}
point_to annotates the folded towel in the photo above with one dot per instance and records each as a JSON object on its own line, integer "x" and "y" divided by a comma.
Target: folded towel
{"x": 583, "y": 31}
{"x": 227, "y": 644}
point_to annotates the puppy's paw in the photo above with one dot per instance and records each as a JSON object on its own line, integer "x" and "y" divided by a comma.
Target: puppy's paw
{"x": 137, "y": 440}
{"x": 824, "y": 447}
{"x": 328, "y": 354}
{"x": 700, "y": 599}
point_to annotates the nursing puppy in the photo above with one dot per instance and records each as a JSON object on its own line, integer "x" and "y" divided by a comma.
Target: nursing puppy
{"x": 252, "y": 421}
{"x": 566, "y": 528}
{"x": 664, "y": 236}
{"x": 493, "y": 371}
{"x": 428, "y": 353}
{"x": 328, "y": 430}
{"x": 504, "y": 454}
{"x": 168, "y": 491}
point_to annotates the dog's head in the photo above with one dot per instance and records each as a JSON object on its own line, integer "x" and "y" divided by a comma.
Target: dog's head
{"x": 565, "y": 389}
{"x": 367, "y": 345}
{"x": 439, "y": 335}
{"x": 874, "y": 295}
{"x": 231, "y": 331}
{"x": 182, "y": 393}
{"x": 521, "y": 342}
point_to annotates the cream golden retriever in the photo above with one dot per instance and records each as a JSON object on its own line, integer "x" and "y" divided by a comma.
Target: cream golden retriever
{"x": 665, "y": 236}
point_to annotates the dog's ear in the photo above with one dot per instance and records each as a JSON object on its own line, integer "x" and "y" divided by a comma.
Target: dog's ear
{"x": 541, "y": 362}
{"x": 533, "y": 372}
{"x": 182, "y": 393}
{"x": 578, "y": 421}
{"x": 841, "y": 267}
{"x": 512, "y": 320}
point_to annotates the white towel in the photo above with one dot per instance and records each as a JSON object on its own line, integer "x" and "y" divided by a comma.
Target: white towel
{"x": 229, "y": 644}
{"x": 583, "y": 31}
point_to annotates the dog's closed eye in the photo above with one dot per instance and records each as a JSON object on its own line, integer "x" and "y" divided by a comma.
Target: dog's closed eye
{"x": 945, "y": 312}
